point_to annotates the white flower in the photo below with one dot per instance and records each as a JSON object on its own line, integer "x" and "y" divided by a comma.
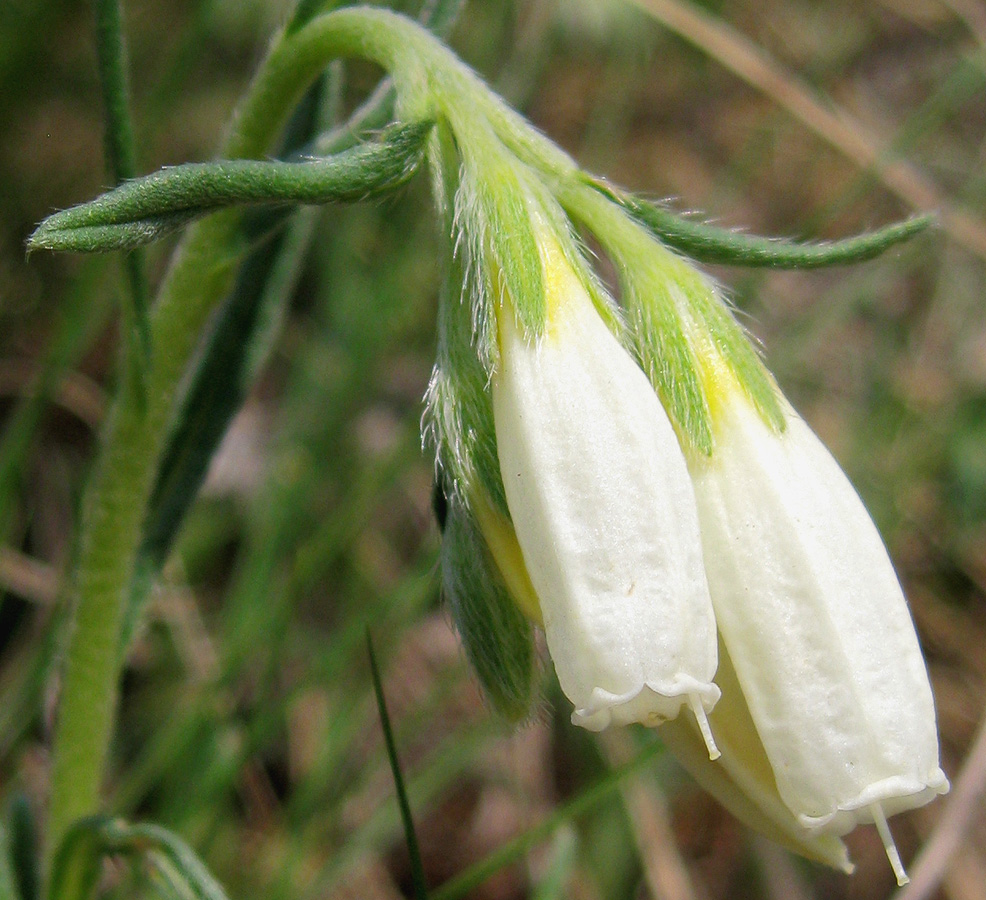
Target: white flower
{"x": 604, "y": 513}
{"x": 742, "y": 779}
{"x": 815, "y": 622}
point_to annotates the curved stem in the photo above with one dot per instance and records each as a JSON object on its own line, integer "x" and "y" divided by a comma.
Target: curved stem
{"x": 428, "y": 79}
{"x": 135, "y": 432}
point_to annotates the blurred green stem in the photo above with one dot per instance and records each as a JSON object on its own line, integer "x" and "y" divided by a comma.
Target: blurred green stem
{"x": 120, "y": 145}
{"x": 429, "y": 80}
{"x": 121, "y": 158}
{"x": 136, "y": 429}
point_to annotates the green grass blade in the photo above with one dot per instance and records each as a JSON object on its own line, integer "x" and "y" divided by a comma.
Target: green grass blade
{"x": 564, "y": 857}
{"x": 417, "y": 869}
{"x": 121, "y": 156}
{"x": 76, "y": 863}
{"x": 514, "y": 850}
{"x": 119, "y": 135}
{"x": 23, "y": 848}
{"x": 83, "y": 314}
{"x": 8, "y": 886}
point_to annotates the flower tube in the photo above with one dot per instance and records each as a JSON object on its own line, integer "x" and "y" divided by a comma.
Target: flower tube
{"x": 816, "y": 625}
{"x": 742, "y": 779}
{"x": 810, "y": 612}
{"x": 604, "y": 512}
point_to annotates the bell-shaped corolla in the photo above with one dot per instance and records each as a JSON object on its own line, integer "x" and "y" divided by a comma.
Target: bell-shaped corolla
{"x": 742, "y": 779}
{"x": 604, "y": 513}
{"x": 815, "y": 622}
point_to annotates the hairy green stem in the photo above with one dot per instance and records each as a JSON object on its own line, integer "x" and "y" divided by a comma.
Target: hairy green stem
{"x": 137, "y": 427}
{"x": 429, "y": 80}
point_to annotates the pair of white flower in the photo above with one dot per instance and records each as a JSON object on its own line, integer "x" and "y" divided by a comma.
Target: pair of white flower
{"x": 653, "y": 571}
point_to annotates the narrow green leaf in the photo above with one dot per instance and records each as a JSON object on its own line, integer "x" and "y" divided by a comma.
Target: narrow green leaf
{"x": 24, "y": 848}
{"x": 76, "y": 866}
{"x": 102, "y": 238}
{"x": 237, "y": 347}
{"x": 8, "y": 886}
{"x": 166, "y": 854}
{"x": 76, "y": 862}
{"x": 144, "y": 209}
{"x": 710, "y": 244}
{"x": 420, "y": 887}
{"x": 219, "y": 388}
{"x": 137, "y": 321}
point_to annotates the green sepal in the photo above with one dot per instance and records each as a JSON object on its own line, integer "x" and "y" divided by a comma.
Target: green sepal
{"x": 145, "y": 209}
{"x": 737, "y": 348}
{"x": 458, "y": 418}
{"x": 711, "y": 244}
{"x": 494, "y": 230}
{"x": 680, "y": 322}
{"x": 657, "y": 332}
{"x": 680, "y": 326}
{"x": 514, "y": 251}
{"x": 498, "y": 639}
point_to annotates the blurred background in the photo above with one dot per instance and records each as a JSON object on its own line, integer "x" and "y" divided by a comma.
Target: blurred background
{"x": 248, "y": 723}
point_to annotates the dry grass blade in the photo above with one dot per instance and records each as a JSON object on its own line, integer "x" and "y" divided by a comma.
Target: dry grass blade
{"x": 76, "y": 393}
{"x": 962, "y": 807}
{"x": 28, "y": 578}
{"x": 834, "y": 125}
{"x": 665, "y": 870}
{"x": 782, "y": 879}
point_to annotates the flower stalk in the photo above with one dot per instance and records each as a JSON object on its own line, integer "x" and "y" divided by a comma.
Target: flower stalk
{"x": 137, "y": 426}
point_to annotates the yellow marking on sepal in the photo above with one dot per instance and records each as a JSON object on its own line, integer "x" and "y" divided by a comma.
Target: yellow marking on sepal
{"x": 502, "y": 542}
{"x": 721, "y": 385}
